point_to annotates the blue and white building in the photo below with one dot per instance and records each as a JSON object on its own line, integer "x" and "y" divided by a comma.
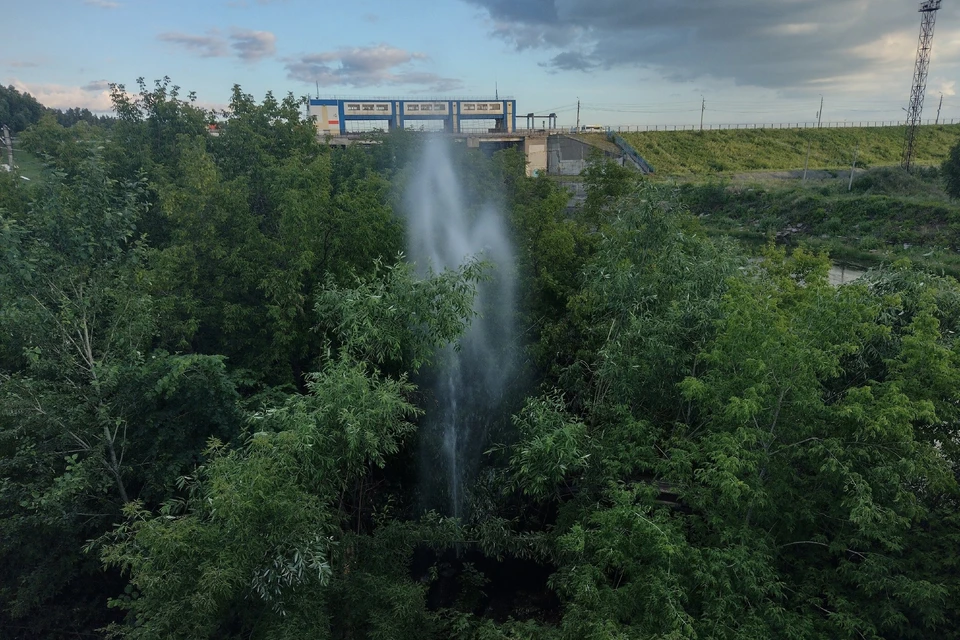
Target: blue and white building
{"x": 337, "y": 117}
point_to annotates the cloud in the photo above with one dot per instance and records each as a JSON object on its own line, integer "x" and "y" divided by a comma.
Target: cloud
{"x": 570, "y": 61}
{"x": 246, "y": 44}
{"x": 778, "y": 44}
{"x": 58, "y": 96}
{"x": 252, "y": 46}
{"x": 22, "y": 64}
{"x": 378, "y": 65}
{"x": 211, "y": 45}
{"x": 103, "y": 4}
{"x": 96, "y": 86}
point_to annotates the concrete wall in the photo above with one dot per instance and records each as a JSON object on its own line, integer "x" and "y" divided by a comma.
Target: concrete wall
{"x": 536, "y": 151}
{"x": 568, "y": 156}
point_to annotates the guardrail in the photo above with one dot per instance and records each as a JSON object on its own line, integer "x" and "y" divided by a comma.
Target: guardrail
{"x": 630, "y": 152}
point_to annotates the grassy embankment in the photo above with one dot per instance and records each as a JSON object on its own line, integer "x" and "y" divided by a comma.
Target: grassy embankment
{"x": 888, "y": 215}
{"x": 692, "y": 153}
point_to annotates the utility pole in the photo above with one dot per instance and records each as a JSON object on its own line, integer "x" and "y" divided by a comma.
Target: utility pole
{"x": 820, "y": 113}
{"x": 578, "y": 114}
{"x": 853, "y": 168}
{"x": 703, "y": 107}
{"x": 9, "y": 145}
{"x": 938, "y": 109}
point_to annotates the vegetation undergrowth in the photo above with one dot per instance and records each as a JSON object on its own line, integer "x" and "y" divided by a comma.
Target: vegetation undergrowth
{"x": 888, "y": 214}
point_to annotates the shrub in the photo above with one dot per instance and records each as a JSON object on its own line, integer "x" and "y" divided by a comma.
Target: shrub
{"x": 950, "y": 170}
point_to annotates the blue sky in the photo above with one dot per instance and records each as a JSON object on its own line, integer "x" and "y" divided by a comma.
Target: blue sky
{"x": 627, "y": 61}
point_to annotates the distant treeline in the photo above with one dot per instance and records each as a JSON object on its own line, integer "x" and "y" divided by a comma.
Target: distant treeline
{"x": 21, "y": 110}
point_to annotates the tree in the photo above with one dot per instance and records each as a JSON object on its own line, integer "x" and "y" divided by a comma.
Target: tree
{"x": 950, "y": 170}
{"x": 63, "y": 149}
{"x": 93, "y": 416}
{"x": 266, "y": 233}
{"x": 745, "y": 453}
{"x": 264, "y": 543}
{"x": 18, "y": 110}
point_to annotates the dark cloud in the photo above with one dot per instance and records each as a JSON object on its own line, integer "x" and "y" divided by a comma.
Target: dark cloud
{"x": 769, "y": 43}
{"x": 211, "y": 45}
{"x": 379, "y": 65}
{"x": 248, "y": 45}
{"x": 96, "y": 86}
{"x": 252, "y": 46}
{"x": 570, "y": 61}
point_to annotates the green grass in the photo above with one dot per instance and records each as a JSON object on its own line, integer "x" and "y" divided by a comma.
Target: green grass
{"x": 889, "y": 215}
{"x": 28, "y": 164}
{"x": 744, "y": 150}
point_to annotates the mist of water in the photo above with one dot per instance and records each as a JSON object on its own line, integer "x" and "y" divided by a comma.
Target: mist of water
{"x": 468, "y": 382}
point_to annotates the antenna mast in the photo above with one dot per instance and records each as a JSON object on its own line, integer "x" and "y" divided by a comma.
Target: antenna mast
{"x": 928, "y": 9}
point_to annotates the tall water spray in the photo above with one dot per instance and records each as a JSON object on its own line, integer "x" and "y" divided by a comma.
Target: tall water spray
{"x": 468, "y": 382}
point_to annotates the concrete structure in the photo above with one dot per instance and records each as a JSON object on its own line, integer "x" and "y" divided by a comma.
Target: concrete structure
{"x": 333, "y": 116}
{"x": 549, "y": 152}
{"x": 569, "y": 156}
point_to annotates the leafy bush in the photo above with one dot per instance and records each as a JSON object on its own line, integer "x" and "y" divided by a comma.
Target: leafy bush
{"x": 895, "y": 181}
{"x": 950, "y": 169}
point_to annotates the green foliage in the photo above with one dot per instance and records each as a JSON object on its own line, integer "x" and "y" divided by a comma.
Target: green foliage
{"x": 890, "y": 214}
{"x": 271, "y": 520}
{"x": 772, "y": 490}
{"x": 90, "y": 420}
{"x": 395, "y": 318}
{"x": 207, "y": 367}
{"x": 18, "y": 110}
{"x": 606, "y": 183}
{"x": 950, "y": 169}
{"x": 64, "y": 150}
{"x": 894, "y": 181}
{"x": 552, "y": 446}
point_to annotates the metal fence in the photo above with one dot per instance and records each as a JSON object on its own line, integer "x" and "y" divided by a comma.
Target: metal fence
{"x": 768, "y": 125}
{"x": 368, "y": 127}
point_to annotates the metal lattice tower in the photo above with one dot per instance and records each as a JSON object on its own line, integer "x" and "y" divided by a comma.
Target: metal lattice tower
{"x": 928, "y": 9}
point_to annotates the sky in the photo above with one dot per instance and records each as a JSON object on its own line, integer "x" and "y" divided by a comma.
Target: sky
{"x": 627, "y": 62}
